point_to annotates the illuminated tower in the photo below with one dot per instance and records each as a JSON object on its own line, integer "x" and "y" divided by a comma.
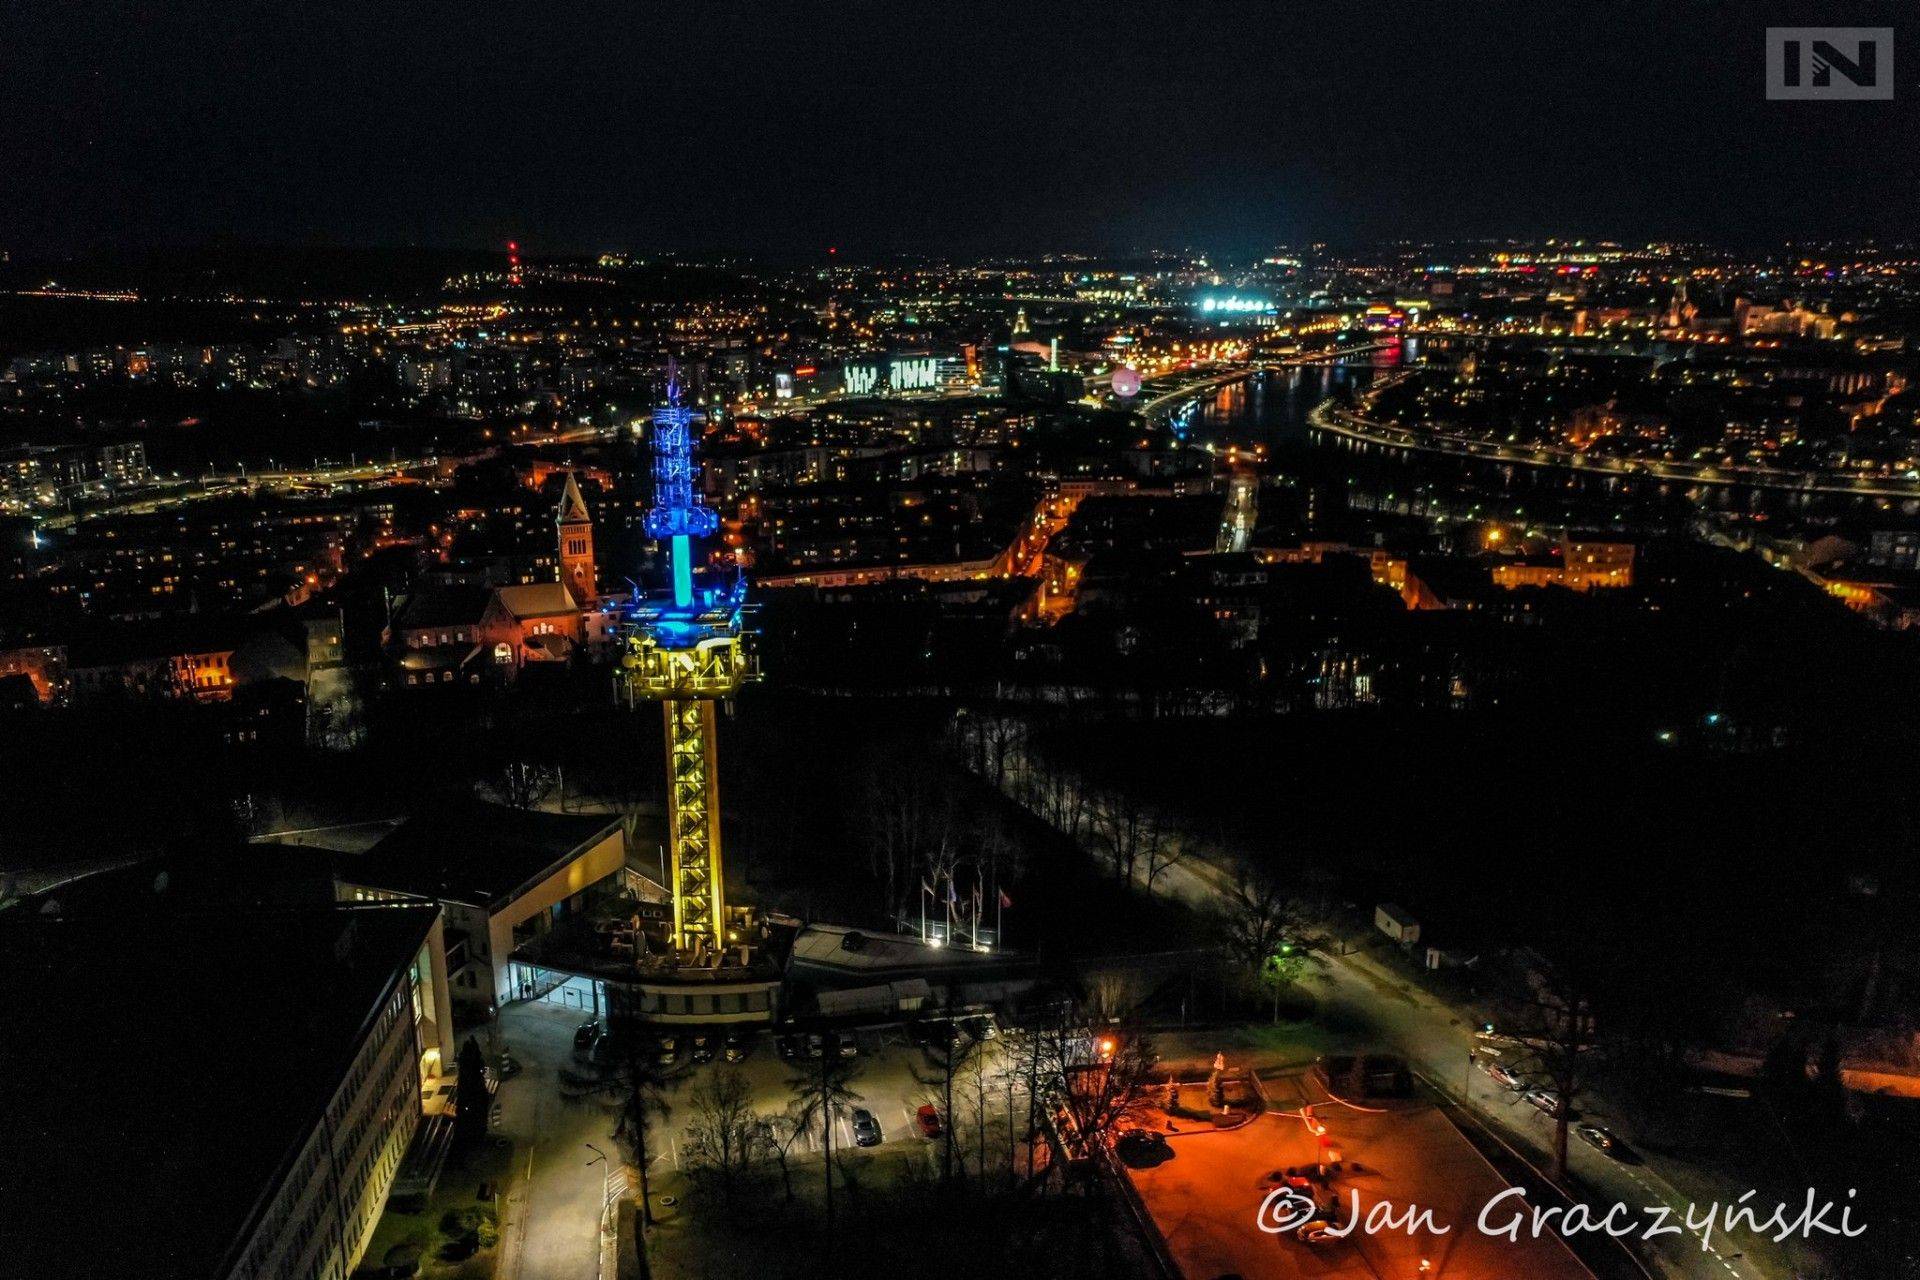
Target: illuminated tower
{"x": 683, "y": 650}
{"x": 574, "y": 529}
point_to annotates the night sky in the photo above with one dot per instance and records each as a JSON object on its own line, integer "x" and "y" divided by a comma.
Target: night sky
{"x": 778, "y": 128}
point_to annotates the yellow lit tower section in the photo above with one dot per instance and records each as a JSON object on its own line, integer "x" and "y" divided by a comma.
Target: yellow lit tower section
{"x": 683, "y": 650}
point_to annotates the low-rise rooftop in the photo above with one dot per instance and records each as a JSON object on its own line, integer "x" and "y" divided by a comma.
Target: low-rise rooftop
{"x": 164, "y": 1066}
{"x": 476, "y": 853}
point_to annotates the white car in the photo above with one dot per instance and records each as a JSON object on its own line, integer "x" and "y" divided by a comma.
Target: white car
{"x": 1504, "y": 1076}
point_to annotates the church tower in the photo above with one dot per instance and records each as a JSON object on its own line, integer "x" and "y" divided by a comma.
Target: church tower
{"x": 575, "y": 529}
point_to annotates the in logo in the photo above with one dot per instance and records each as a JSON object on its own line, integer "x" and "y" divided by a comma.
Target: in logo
{"x": 1836, "y": 64}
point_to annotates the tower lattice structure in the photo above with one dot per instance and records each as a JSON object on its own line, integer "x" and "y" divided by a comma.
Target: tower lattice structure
{"x": 683, "y": 649}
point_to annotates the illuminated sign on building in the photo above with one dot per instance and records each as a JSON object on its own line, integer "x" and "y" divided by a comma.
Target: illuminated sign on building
{"x": 916, "y": 373}
{"x": 1234, "y": 304}
{"x": 896, "y": 375}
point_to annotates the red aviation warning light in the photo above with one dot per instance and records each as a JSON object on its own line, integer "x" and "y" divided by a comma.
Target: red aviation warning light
{"x": 513, "y": 263}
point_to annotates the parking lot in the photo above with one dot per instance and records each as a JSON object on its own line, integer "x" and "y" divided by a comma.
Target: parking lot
{"x": 1206, "y": 1189}
{"x": 893, "y": 1076}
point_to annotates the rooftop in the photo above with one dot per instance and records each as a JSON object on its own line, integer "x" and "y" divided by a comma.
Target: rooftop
{"x": 477, "y": 853}
{"x": 537, "y": 600}
{"x": 437, "y": 605}
{"x": 876, "y": 955}
{"x": 165, "y": 1064}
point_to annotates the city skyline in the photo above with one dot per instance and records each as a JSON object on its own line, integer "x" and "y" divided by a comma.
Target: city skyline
{"x": 883, "y": 642}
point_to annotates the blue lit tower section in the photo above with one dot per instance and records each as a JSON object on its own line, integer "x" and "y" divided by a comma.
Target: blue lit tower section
{"x": 677, "y": 515}
{"x": 683, "y": 650}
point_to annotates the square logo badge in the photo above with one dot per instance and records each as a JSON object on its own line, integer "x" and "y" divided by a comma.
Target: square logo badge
{"x": 1830, "y": 64}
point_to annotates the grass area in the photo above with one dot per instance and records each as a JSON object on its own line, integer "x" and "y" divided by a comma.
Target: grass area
{"x": 453, "y": 1234}
{"x": 1190, "y": 1105}
{"x": 892, "y": 1195}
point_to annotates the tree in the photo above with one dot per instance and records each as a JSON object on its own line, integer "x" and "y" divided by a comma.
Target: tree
{"x": 645, "y": 1098}
{"x": 1165, "y": 850}
{"x": 978, "y": 1079}
{"x": 471, "y": 1098}
{"x": 1267, "y": 927}
{"x": 1094, "y": 1075}
{"x": 1009, "y": 1074}
{"x": 945, "y": 1051}
{"x": 778, "y": 1134}
{"x": 725, "y": 1139}
{"x": 1551, "y": 1013}
{"x": 1001, "y": 739}
{"x": 1128, "y": 827}
{"x": 820, "y": 1092}
{"x": 522, "y": 783}
{"x": 998, "y": 847}
{"x": 912, "y": 822}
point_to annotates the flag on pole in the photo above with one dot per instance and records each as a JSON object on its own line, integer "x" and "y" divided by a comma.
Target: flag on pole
{"x": 925, "y": 887}
{"x": 953, "y": 895}
{"x": 1005, "y": 901}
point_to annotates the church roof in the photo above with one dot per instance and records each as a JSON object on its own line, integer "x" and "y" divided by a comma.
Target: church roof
{"x": 573, "y": 507}
{"x": 436, "y": 605}
{"x": 536, "y": 600}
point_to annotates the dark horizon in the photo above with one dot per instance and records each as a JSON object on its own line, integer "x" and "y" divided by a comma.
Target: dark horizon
{"x": 959, "y": 132}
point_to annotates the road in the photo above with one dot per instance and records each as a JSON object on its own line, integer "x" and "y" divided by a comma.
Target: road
{"x": 1364, "y": 999}
{"x": 552, "y": 1224}
{"x": 227, "y": 484}
{"x": 1358, "y": 990}
{"x": 1330, "y": 418}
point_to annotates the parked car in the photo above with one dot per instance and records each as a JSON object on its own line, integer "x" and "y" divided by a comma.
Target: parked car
{"x": 1504, "y": 1076}
{"x": 849, "y": 1047}
{"x": 789, "y": 1048}
{"x": 940, "y": 1031}
{"x": 1138, "y": 1142}
{"x": 605, "y": 1051}
{"x": 703, "y": 1049}
{"x": 667, "y": 1052}
{"x": 733, "y": 1048}
{"x": 982, "y": 1028}
{"x": 866, "y": 1129}
{"x": 928, "y": 1118}
{"x": 816, "y": 1045}
{"x": 585, "y": 1034}
{"x": 1601, "y": 1139}
{"x": 1543, "y": 1100}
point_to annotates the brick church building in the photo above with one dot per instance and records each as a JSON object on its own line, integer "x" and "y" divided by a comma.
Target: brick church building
{"x": 455, "y": 634}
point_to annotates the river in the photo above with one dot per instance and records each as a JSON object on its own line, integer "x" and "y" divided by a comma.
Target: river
{"x": 1271, "y": 408}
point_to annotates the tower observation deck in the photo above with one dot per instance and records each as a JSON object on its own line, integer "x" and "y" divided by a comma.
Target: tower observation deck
{"x": 683, "y": 649}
